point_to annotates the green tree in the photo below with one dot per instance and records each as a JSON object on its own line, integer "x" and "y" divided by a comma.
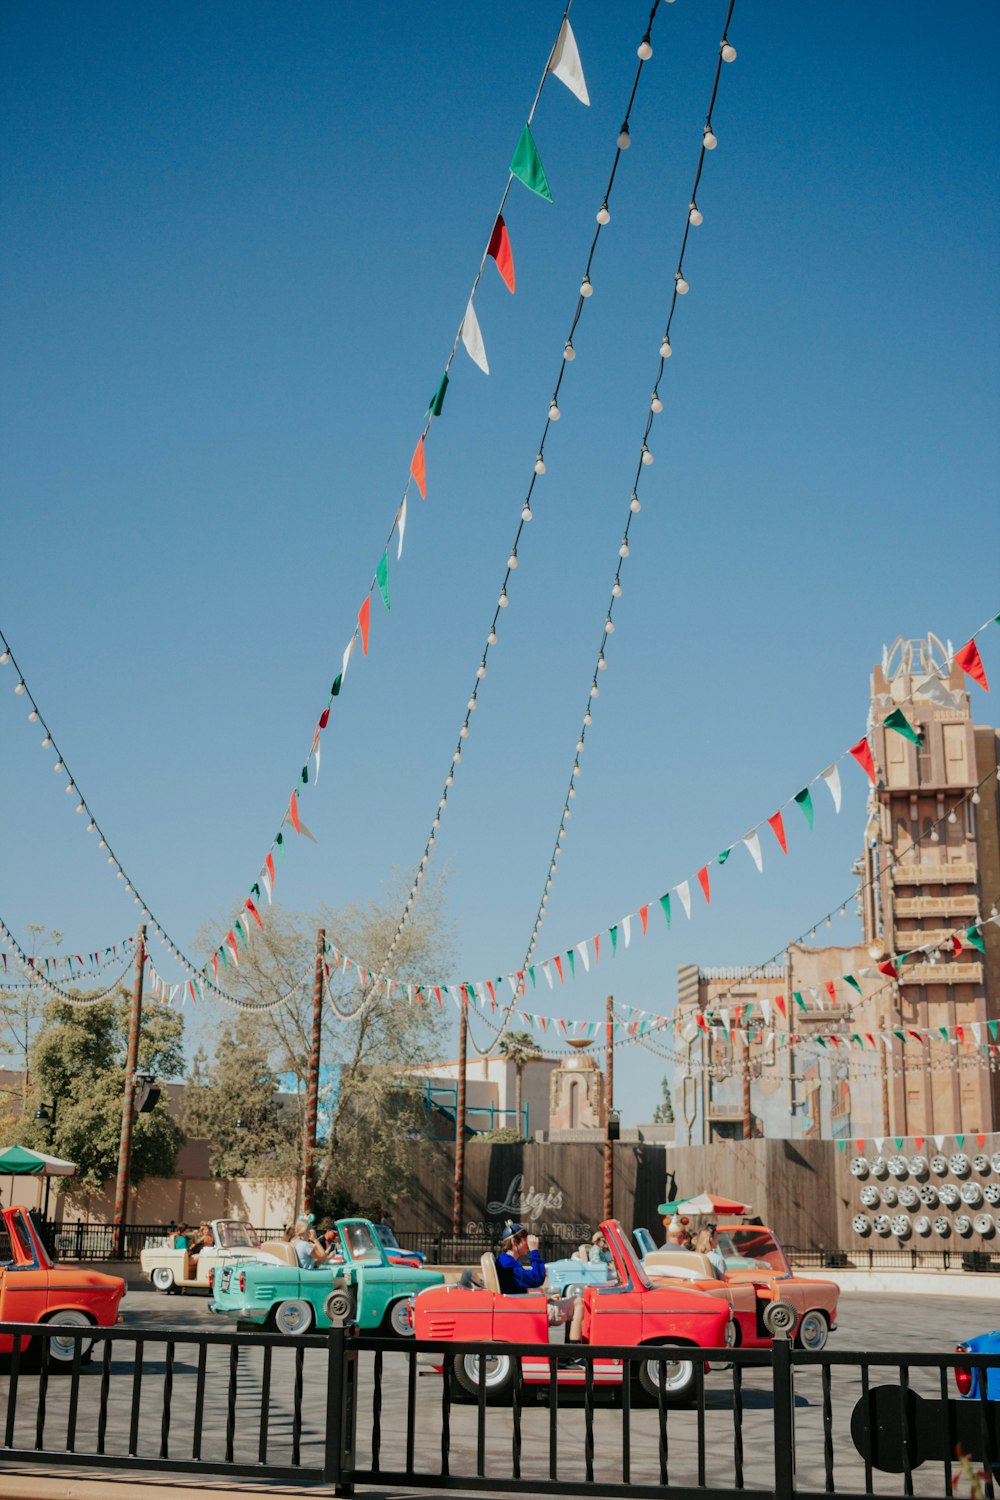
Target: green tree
{"x": 233, "y": 1104}
{"x": 21, "y": 1007}
{"x": 518, "y": 1047}
{"x": 77, "y": 1062}
{"x": 663, "y": 1114}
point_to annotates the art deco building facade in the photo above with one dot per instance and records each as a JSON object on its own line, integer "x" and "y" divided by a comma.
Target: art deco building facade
{"x": 930, "y": 867}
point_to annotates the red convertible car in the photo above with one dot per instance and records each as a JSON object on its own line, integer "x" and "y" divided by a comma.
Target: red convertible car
{"x": 33, "y": 1290}
{"x": 630, "y": 1311}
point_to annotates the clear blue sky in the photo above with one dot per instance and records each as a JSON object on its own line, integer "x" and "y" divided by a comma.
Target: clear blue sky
{"x": 238, "y": 242}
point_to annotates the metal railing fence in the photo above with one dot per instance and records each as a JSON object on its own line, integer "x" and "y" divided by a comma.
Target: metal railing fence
{"x": 350, "y": 1412}
{"x": 900, "y": 1258}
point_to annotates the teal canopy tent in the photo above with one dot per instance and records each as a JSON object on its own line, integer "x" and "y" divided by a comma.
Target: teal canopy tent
{"x": 19, "y": 1161}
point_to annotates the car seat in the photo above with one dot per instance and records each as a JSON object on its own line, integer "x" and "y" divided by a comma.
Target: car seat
{"x": 488, "y": 1266}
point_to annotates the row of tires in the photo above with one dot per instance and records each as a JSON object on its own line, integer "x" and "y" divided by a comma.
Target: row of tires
{"x": 958, "y": 1164}
{"x": 949, "y": 1195}
{"x": 902, "y": 1226}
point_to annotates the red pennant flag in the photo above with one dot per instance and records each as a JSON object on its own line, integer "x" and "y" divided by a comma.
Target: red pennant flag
{"x": 293, "y": 812}
{"x": 499, "y": 249}
{"x": 833, "y": 1039}
{"x": 956, "y": 945}
{"x": 558, "y": 963}
{"x": 269, "y": 862}
{"x": 254, "y": 913}
{"x": 230, "y": 939}
{"x": 972, "y": 664}
{"x": 779, "y": 1001}
{"x": 960, "y": 1033}
{"x": 418, "y": 468}
{"x": 918, "y": 1141}
{"x": 980, "y": 1141}
{"x": 777, "y": 823}
{"x": 364, "y": 620}
{"x": 644, "y": 917}
{"x": 324, "y": 718}
{"x": 915, "y": 1034}
{"x": 862, "y": 753}
{"x": 699, "y": 1017}
{"x": 597, "y": 949}
{"x": 870, "y": 1037}
{"x": 889, "y": 967}
{"x": 831, "y": 991}
{"x": 215, "y": 966}
{"x": 437, "y": 991}
{"x": 493, "y": 998}
{"x": 703, "y": 882}
{"x": 861, "y": 1146}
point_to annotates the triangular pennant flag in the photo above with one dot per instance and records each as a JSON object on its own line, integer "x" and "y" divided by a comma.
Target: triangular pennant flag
{"x": 571, "y": 956}
{"x": 418, "y": 468}
{"x": 293, "y": 812}
{"x": 960, "y": 1141}
{"x": 850, "y": 979}
{"x": 804, "y": 801}
{"x": 862, "y": 753}
{"x": 841, "y": 1145}
{"x": 437, "y": 400}
{"x": 581, "y": 948}
{"x": 499, "y": 248}
{"x": 644, "y": 917}
{"x": 526, "y": 165}
{"x": 703, "y": 882}
{"x": 752, "y": 843}
{"x": 684, "y": 892}
{"x": 971, "y": 662}
{"x": 723, "y": 856}
{"x": 472, "y": 338}
{"x": 348, "y": 653}
{"x": 614, "y": 939}
{"x": 338, "y": 683}
{"x": 382, "y": 578}
{"x": 565, "y": 64}
{"x": 254, "y": 913}
{"x": 778, "y": 824}
{"x": 938, "y": 1141}
{"x": 799, "y": 999}
{"x": 559, "y": 968}
{"x": 879, "y": 1143}
{"x": 934, "y": 691}
{"x": 889, "y": 966}
{"x": 665, "y": 903}
{"x": 831, "y": 991}
{"x": 401, "y": 528}
{"x": 548, "y": 974}
{"x": 364, "y": 621}
{"x": 832, "y": 778}
{"x": 627, "y": 929}
{"x": 975, "y": 938}
{"x": 898, "y": 721}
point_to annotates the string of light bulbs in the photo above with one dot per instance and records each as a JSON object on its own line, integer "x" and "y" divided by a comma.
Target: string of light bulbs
{"x": 603, "y": 218}
{"x": 163, "y": 990}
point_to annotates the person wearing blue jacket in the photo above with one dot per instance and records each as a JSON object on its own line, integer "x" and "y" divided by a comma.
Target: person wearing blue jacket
{"x": 521, "y": 1269}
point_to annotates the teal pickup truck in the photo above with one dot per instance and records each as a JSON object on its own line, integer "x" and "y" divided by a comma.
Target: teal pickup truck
{"x": 294, "y": 1301}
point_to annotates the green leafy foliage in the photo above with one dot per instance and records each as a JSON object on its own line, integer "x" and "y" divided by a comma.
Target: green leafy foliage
{"x": 663, "y": 1114}
{"x": 232, "y": 1103}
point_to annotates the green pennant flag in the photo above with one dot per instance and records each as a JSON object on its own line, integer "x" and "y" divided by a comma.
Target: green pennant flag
{"x": 975, "y": 937}
{"x": 850, "y": 979}
{"x": 437, "y": 400}
{"x": 255, "y": 891}
{"x": 239, "y": 928}
{"x": 960, "y": 1141}
{"x": 899, "y": 1142}
{"x": 901, "y": 1035}
{"x": 572, "y": 962}
{"x": 724, "y": 856}
{"x": 337, "y": 681}
{"x": 822, "y": 1044}
{"x": 531, "y": 971}
{"x": 305, "y": 775}
{"x": 222, "y": 955}
{"x": 898, "y": 721}
{"x": 856, "y": 1038}
{"x": 841, "y": 1145}
{"x": 280, "y": 845}
{"x": 382, "y": 578}
{"x": 806, "y": 803}
{"x": 992, "y": 1027}
{"x": 665, "y": 903}
{"x": 944, "y": 1033}
{"x": 526, "y": 165}
{"x": 797, "y": 997}
{"x": 614, "y": 940}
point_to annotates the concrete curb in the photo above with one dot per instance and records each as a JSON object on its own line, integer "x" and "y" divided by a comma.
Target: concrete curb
{"x": 984, "y": 1284}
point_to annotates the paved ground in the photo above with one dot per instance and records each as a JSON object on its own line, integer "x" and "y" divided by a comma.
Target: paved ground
{"x": 873, "y": 1323}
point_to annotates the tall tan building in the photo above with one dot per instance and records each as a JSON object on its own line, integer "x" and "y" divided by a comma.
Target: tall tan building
{"x": 930, "y": 866}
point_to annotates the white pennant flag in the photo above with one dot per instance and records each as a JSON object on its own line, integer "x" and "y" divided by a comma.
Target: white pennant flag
{"x": 765, "y": 1006}
{"x": 565, "y": 63}
{"x": 627, "y": 929}
{"x": 265, "y": 881}
{"x": 879, "y": 1143}
{"x": 401, "y": 528}
{"x": 453, "y": 992}
{"x": 546, "y": 970}
{"x": 742, "y": 1036}
{"x": 832, "y": 778}
{"x": 316, "y": 753}
{"x": 938, "y": 1141}
{"x": 581, "y": 948}
{"x": 886, "y": 1039}
{"x": 472, "y": 338}
{"x": 512, "y": 981}
{"x": 753, "y": 845}
{"x": 684, "y": 891}
{"x": 934, "y": 691}
{"x": 977, "y": 1031}
{"x": 347, "y": 656}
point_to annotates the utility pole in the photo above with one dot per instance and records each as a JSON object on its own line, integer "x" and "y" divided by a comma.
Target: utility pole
{"x": 312, "y": 1079}
{"x": 128, "y": 1099}
{"x": 458, "y": 1201}
{"x": 609, "y": 1104}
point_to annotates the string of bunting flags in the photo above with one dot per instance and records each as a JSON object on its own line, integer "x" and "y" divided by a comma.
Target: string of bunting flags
{"x": 27, "y": 966}
{"x": 88, "y": 966}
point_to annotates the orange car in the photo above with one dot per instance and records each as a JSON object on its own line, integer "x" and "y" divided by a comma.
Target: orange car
{"x": 33, "y": 1290}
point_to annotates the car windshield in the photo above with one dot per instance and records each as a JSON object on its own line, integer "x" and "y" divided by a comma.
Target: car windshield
{"x": 752, "y": 1246}
{"x": 234, "y": 1234}
{"x": 620, "y": 1246}
{"x": 387, "y": 1237}
{"x": 362, "y": 1244}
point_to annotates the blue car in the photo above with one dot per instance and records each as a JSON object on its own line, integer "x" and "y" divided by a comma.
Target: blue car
{"x": 968, "y": 1380}
{"x": 567, "y": 1278}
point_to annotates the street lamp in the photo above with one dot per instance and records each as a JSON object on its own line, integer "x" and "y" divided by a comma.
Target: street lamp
{"x": 614, "y": 1125}
{"x": 45, "y": 1115}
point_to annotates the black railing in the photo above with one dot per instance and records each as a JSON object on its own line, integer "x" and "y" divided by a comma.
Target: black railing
{"x": 896, "y": 1259}
{"x": 95, "y": 1242}
{"x": 350, "y": 1412}
{"x": 466, "y": 1249}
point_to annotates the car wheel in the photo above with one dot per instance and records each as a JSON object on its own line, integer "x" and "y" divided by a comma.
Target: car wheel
{"x": 294, "y": 1317}
{"x": 397, "y": 1319}
{"x": 61, "y": 1348}
{"x": 813, "y": 1332}
{"x": 163, "y": 1279}
{"x": 499, "y": 1375}
{"x": 674, "y": 1370}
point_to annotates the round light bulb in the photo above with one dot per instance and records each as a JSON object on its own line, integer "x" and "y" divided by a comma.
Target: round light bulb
{"x": 90, "y": 826}
{"x": 634, "y": 505}
{"x": 464, "y": 732}
{"x": 602, "y": 665}
{"x": 576, "y": 770}
{"x": 935, "y": 836}
{"x": 588, "y": 718}
{"x": 432, "y": 840}
{"x": 512, "y": 560}
{"x": 449, "y": 780}
{"x": 4, "y": 658}
{"x": 875, "y": 950}
{"x": 569, "y": 353}
{"x": 19, "y": 688}
{"x": 554, "y": 412}
{"x": 562, "y": 833}
{"x": 644, "y": 50}
{"x": 456, "y": 758}
{"x": 623, "y": 550}
{"x": 609, "y": 626}
{"x": 70, "y": 789}
{"x": 579, "y": 747}
{"x": 548, "y": 885}
{"x": 572, "y": 791}
{"x": 616, "y": 589}
{"x": 586, "y": 290}
{"x": 594, "y": 693}
{"x": 57, "y": 766}
{"x": 492, "y": 637}
{"x": 102, "y": 844}
{"x": 624, "y": 138}
{"x": 681, "y": 285}
{"x": 472, "y": 705}
{"x": 604, "y": 214}
{"x": 728, "y": 52}
{"x": 710, "y": 140}
{"x": 695, "y": 217}
{"x": 526, "y": 513}
{"x": 481, "y": 670}
{"x": 843, "y": 910}
{"x": 656, "y": 404}
{"x": 539, "y": 465}
{"x": 46, "y": 742}
{"x": 503, "y": 601}
{"x": 975, "y": 798}
{"x": 647, "y": 457}
{"x": 33, "y": 716}
{"x": 953, "y": 817}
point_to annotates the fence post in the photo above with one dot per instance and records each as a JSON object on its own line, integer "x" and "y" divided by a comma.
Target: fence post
{"x": 341, "y": 1412}
{"x": 784, "y": 1416}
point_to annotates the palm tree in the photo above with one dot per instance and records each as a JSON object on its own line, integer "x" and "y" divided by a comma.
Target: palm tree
{"x": 519, "y": 1048}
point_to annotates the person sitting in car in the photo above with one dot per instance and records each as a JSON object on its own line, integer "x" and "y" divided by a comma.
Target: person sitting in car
{"x": 521, "y": 1269}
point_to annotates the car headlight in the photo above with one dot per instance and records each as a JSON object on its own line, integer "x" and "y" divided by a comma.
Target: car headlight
{"x": 731, "y": 1334}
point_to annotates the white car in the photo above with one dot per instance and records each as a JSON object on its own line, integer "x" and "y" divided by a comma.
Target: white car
{"x": 233, "y": 1240}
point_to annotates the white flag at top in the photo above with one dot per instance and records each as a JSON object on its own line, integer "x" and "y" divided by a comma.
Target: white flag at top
{"x": 565, "y": 63}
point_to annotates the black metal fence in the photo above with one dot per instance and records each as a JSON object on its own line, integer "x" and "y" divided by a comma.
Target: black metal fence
{"x": 352, "y": 1412}
{"x": 899, "y": 1259}
{"x": 96, "y": 1242}
{"x": 466, "y": 1249}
